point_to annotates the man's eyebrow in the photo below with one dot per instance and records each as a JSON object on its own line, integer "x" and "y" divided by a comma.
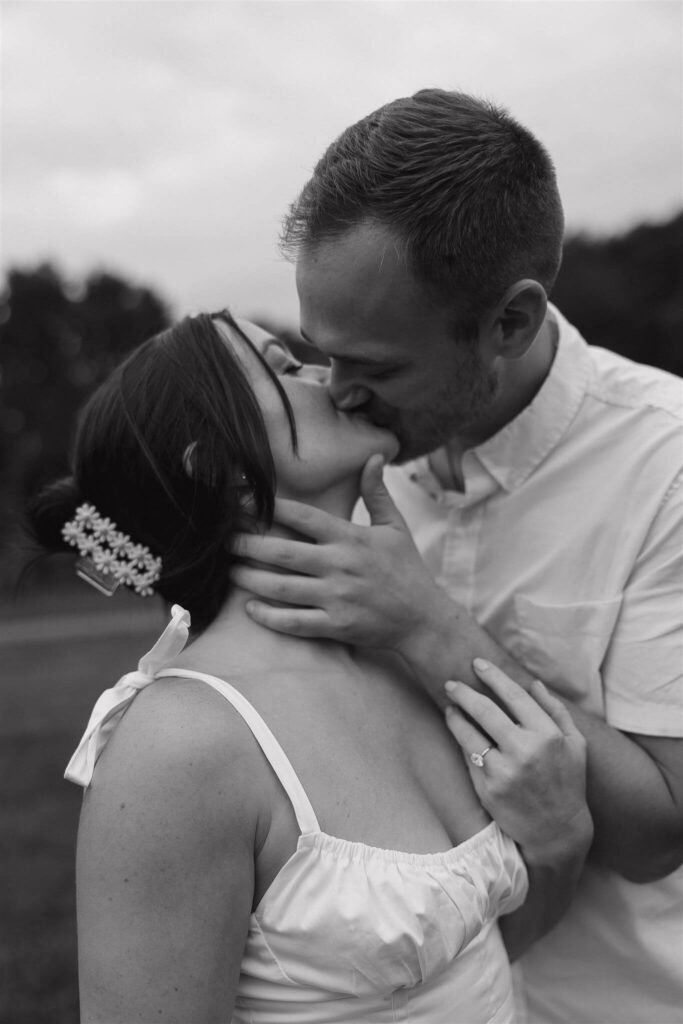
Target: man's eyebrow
{"x": 356, "y": 360}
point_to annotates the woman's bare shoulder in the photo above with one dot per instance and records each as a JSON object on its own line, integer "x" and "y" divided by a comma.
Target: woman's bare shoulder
{"x": 166, "y": 856}
{"x": 180, "y": 739}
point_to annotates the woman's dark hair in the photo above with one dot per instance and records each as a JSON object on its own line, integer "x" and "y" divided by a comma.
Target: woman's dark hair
{"x": 469, "y": 194}
{"x": 173, "y": 448}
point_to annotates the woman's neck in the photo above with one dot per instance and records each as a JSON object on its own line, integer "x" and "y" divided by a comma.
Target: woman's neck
{"x": 236, "y": 644}
{"x": 233, "y": 639}
{"x": 339, "y": 500}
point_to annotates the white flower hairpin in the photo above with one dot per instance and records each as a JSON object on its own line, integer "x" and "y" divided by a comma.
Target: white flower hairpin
{"x": 110, "y": 558}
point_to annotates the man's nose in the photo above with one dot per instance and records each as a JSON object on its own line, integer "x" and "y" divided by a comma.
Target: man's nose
{"x": 346, "y": 393}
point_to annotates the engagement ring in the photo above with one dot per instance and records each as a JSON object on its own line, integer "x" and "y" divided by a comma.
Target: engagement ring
{"x": 478, "y": 759}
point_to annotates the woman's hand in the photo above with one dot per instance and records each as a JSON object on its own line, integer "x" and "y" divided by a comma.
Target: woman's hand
{"x": 530, "y": 774}
{"x": 529, "y": 770}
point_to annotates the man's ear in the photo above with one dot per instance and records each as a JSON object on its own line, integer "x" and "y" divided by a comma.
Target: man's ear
{"x": 516, "y": 320}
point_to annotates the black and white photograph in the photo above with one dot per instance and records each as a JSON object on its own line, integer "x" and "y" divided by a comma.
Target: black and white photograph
{"x": 341, "y": 511}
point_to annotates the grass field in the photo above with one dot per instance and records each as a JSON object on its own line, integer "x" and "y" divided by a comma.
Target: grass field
{"x": 58, "y": 650}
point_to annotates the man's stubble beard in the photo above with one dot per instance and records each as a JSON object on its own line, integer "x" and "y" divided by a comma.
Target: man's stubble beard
{"x": 455, "y": 412}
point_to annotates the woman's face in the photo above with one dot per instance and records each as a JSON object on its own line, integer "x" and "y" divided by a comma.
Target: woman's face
{"x": 333, "y": 446}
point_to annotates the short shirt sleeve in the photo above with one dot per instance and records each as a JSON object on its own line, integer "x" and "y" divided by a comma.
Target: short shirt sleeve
{"x": 643, "y": 670}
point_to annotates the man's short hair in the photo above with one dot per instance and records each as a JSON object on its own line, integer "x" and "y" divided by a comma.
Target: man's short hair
{"x": 468, "y": 193}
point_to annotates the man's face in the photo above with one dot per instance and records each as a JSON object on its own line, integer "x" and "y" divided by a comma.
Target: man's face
{"x": 392, "y": 349}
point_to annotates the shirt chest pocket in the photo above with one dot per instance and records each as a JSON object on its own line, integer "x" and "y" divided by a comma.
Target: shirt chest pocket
{"x": 565, "y": 645}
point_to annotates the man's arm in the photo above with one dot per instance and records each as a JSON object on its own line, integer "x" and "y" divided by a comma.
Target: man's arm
{"x": 634, "y": 782}
{"x": 369, "y": 587}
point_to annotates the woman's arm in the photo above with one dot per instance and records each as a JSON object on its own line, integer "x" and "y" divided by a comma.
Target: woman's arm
{"x": 165, "y": 865}
{"x": 532, "y": 781}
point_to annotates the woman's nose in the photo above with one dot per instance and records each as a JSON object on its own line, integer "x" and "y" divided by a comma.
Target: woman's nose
{"x": 347, "y": 395}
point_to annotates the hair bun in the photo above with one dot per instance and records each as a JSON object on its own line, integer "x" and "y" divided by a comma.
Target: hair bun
{"x": 50, "y": 510}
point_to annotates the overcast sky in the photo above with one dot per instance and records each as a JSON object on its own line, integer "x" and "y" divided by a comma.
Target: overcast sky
{"x": 164, "y": 139}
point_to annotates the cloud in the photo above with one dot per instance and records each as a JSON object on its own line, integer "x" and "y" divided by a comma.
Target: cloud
{"x": 94, "y": 199}
{"x": 167, "y": 138}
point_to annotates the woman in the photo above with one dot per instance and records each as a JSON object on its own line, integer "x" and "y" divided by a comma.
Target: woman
{"x": 355, "y": 877}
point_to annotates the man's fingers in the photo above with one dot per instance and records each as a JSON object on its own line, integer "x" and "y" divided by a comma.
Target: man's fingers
{"x": 302, "y": 622}
{"x": 273, "y": 586}
{"x": 294, "y": 555}
{"x": 311, "y": 522}
{"x": 378, "y": 501}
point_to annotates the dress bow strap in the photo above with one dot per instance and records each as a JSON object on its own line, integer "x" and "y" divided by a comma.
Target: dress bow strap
{"x": 113, "y": 702}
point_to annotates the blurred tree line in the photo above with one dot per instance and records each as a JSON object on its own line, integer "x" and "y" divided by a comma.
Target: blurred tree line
{"x": 626, "y": 293}
{"x": 58, "y": 340}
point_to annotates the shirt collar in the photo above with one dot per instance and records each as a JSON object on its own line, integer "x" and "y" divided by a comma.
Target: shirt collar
{"x": 512, "y": 455}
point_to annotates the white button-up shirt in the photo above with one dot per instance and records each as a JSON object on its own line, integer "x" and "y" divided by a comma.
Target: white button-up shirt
{"x": 567, "y": 545}
{"x": 567, "y": 542}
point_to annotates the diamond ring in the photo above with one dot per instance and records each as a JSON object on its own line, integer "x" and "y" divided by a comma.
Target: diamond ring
{"x": 478, "y": 759}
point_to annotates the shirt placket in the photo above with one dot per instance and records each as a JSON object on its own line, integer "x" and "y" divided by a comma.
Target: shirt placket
{"x": 464, "y": 522}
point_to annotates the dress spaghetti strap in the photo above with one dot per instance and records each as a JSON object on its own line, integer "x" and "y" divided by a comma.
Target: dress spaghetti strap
{"x": 278, "y": 760}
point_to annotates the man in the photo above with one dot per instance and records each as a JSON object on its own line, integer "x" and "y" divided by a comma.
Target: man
{"x": 543, "y": 487}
